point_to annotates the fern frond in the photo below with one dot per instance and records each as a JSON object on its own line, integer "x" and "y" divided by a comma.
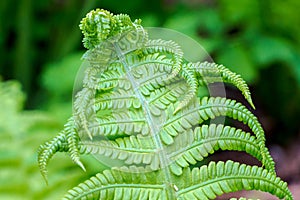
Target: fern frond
{"x": 132, "y": 39}
{"x": 209, "y": 108}
{"x": 119, "y": 123}
{"x": 66, "y": 141}
{"x": 194, "y": 145}
{"x": 152, "y": 70}
{"x": 213, "y": 180}
{"x": 131, "y": 150}
{"x": 47, "y": 150}
{"x": 177, "y": 55}
{"x": 191, "y": 80}
{"x": 132, "y": 183}
{"x": 188, "y": 148}
{"x": 115, "y": 100}
{"x": 161, "y": 98}
{"x": 83, "y": 99}
{"x": 155, "y": 59}
{"x": 72, "y": 139}
{"x": 142, "y": 69}
{"x": 169, "y": 47}
{"x": 206, "y": 182}
{"x": 139, "y": 106}
{"x": 211, "y": 72}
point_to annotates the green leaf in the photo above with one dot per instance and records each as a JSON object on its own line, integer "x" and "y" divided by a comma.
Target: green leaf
{"x": 230, "y": 177}
{"x": 192, "y": 146}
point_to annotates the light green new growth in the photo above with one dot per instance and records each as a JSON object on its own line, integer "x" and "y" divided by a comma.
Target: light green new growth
{"x": 139, "y": 106}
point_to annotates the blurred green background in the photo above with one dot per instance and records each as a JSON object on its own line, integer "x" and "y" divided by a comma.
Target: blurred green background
{"x": 40, "y": 51}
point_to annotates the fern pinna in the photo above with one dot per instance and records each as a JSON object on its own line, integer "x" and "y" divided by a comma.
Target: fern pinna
{"x": 139, "y": 105}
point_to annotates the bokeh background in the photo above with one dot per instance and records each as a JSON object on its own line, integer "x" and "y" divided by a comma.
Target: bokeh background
{"x": 40, "y": 52}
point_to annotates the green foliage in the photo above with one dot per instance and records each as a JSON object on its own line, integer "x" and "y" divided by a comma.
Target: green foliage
{"x": 65, "y": 71}
{"x": 18, "y": 168}
{"x": 139, "y": 106}
{"x": 21, "y": 132}
{"x": 247, "y": 29}
{"x": 57, "y": 96}
{"x": 35, "y": 36}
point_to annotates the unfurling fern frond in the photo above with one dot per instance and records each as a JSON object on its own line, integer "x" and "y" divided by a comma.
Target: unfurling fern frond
{"x": 212, "y": 72}
{"x": 138, "y": 107}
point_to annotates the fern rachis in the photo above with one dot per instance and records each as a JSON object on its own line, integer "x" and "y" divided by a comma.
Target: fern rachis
{"x": 138, "y": 105}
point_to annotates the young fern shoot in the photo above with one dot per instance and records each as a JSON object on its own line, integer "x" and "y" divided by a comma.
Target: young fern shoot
{"x": 139, "y": 106}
